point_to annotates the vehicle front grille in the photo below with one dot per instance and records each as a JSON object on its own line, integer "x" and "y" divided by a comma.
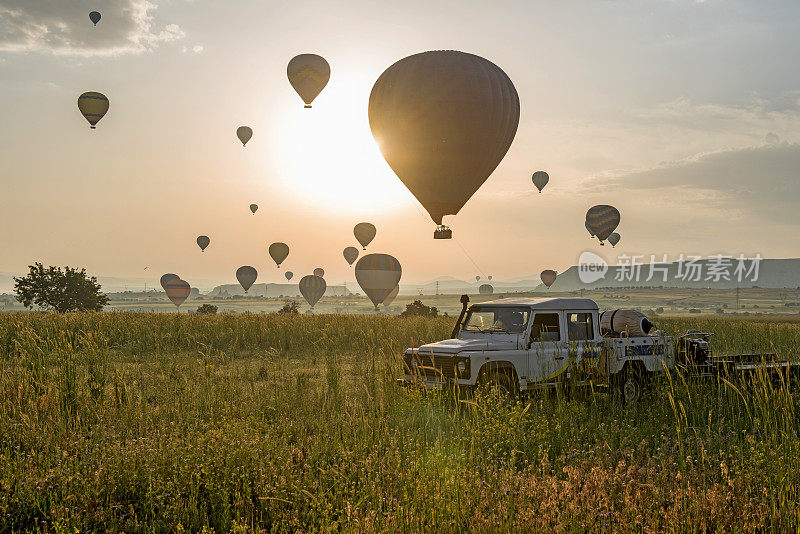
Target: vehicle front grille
{"x": 436, "y": 365}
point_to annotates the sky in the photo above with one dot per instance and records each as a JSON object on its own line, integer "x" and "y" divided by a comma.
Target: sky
{"x": 683, "y": 114}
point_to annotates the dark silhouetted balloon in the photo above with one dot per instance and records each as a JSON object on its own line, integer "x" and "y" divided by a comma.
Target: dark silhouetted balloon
{"x": 319, "y": 271}
{"x": 244, "y": 133}
{"x": 378, "y": 274}
{"x": 391, "y": 296}
{"x": 365, "y": 233}
{"x": 246, "y": 276}
{"x": 177, "y": 290}
{"x": 477, "y": 278}
{"x": 203, "y": 241}
{"x": 312, "y": 288}
{"x": 602, "y": 220}
{"x": 308, "y": 74}
{"x": 443, "y": 121}
{"x": 93, "y": 106}
{"x": 253, "y": 208}
{"x": 288, "y": 275}
{"x": 278, "y": 252}
{"x": 540, "y": 179}
{"x": 94, "y": 16}
{"x": 350, "y": 255}
{"x": 614, "y": 239}
{"x": 166, "y": 278}
{"x": 490, "y": 277}
{"x": 548, "y": 276}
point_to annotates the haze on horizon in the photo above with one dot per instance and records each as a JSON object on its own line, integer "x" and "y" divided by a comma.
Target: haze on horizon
{"x": 683, "y": 114}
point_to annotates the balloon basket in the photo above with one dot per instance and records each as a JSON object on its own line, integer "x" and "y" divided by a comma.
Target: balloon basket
{"x": 442, "y": 232}
{"x": 307, "y": 106}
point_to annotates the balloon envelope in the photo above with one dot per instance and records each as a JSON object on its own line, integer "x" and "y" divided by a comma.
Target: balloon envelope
{"x": 548, "y": 276}
{"x": 602, "y": 220}
{"x": 614, "y": 239}
{"x": 288, "y": 275}
{"x": 486, "y": 289}
{"x": 253, "y": 207}
{"x": 244, "y": 133}
{"x": 391, "y": 296}
{"x": 166, "y": 278}
{"x": 278, "y": 252}
{"x": 540, "y": 179}
{"x": 443, "y": 121}
{"x": 177, "y": 291}
{"x": 312, "y": 288}
{"x": 378, "y": 274}
{"x": 246, "y": 276}
{"x": 490, "y": 277}
{"x": 308, "y": 74}
{"x": 365, "y": 233}
{"x": 477, "y": 278}
{"x": 319, "y": 271}
{"x": 350, "y": 255}
{"x": 203, "y": 241}
{"x": 94, "y": 16}
{"x": 93, "y": 106}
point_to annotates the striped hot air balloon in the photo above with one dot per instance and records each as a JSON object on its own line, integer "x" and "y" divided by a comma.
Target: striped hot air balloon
{"x": 378, "y": 274}
{"x": 548, "y": 276}
{"x": 93, "y": 106}
{"x": 166, "y": 278}
{"x": 602, "y": 220}
{"x": 177, "y": 290}
{"x": 350, "y": 255}
{"x": 614, "y": 239}
{"x": 486, "y": 289}
{"x": 308, "y": 74}
{"x": 319, "y": 271}
{"x": 244, "y": 133}
{"x": 278, "y": 252}
{"x": 365, "y": 233}
{"x": 312, "y": 288}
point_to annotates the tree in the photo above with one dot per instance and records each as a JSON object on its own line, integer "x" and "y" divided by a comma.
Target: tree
{"x": 418, "y": 309}
{"x": 60, "y": 290}
{"x": 207, "y": 309}
{"x": 290, "y": 307}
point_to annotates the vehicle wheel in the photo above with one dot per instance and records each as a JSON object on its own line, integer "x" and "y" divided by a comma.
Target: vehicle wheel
{"x": 500, "y": 384}
{"x": 631, "y": 387}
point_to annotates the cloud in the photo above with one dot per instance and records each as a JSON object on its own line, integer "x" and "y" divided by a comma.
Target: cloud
{"x": 64, "y": 28}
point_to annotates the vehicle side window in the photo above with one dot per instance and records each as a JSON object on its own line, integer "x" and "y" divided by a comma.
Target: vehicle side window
{"x": 545, "y": 327}
{"x": 579, "y": 326}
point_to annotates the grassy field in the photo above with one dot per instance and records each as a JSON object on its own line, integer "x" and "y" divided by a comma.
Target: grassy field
{"x": 251, "y": 422}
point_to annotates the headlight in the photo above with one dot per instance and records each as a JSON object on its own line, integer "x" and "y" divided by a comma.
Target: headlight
{"x": 462, "y": 366}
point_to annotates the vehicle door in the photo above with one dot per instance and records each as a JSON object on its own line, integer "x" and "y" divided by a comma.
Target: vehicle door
{"x": 583, "y": 348}
{"x": 547, "y": 354}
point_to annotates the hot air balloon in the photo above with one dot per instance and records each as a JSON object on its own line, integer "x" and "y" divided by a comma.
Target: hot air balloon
{"x": 278, "y": 252}
{"x": 477, "y": 278}
{"x": 391, "y": 296}
{"x": 602, "y": 220}
{"x": 540, "y": 179}
{"x": 308, "y": 74}
{"x": 350, "y": 255}
{"x": 319, "y": 271}
{"x": 246, "y": 276}
{"x": 203, "y": 241}
{"x": 93, "y": 106}
{"x": 312, "y": 288}
{"x": 254, "y": 208}
{"x": 244, "y": 133}
{"x": 548, "y": 276}
{"x": 588, "y": 229}
{"x": 288, "y": 275}
{"x": 378, "y": 274}
{"x": 166, "y": 278}
{"x": 486, "y": 289}
{"x": 489, "y": 277}
{"x": 365, "y": 233}
{"x": 614, "y": 239}
{"x": 443, "y": 121}
{"x": 177, "y": 291}
{"x": 94, "y": 16}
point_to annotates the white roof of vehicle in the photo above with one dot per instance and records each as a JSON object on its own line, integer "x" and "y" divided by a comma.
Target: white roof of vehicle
{"x": 544, "y": 304}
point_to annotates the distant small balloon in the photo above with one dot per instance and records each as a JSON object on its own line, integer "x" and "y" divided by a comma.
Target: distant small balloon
{"x": 319, "y": 271}
{"x": 490, "y": 277}
{"x": 378, "y": 274}
{"x": 614, "y": 239}
{"x": 94, "y": 16}
{"x": 166, "y": 278}
{"x": 312, "y": 288}
{"x": 244, "y": 133}
{"x": 350, "y": 255}
{"x": 246, "y": 275}
{"x": 548, "y": 276}
{"x": 365, "y": 233}
{"x": 203, "y": 241}
{"x": 477, "y": 278}
{"x": 602, "y": 220}
{"x": 540, "y": 179}
{"x": 486, "y": 289}
{"x": 178, "y": 291}
{"x": 254, "y": 208}
{"x": 278, "y": 252}
{"x": 308, "y": 74}
{"x": 288, "y": 275}
{"x": 93, "y": 106}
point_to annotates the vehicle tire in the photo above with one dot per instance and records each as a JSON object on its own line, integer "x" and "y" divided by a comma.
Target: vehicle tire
{"x": 500, "y": 384}
{"x": 631, "y": 386}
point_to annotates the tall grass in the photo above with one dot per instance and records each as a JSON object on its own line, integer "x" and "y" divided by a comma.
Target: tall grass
{"x": 171, "y": 422}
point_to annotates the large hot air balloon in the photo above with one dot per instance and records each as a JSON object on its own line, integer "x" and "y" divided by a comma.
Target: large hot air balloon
{"x": 166, "y": 278}
{"x": 540, "y": 179}
{"x": 391, "y": 296}
{"x": 548, "y": 276}
{"x": 602, "y": 220}
{"x": 486, "y": 289}
{"x": 254, "y": 208}
{"x": 443, "y": 121}
{"x": 319, "y": 271}
{"x": 288, "y": 275}
{"x": 94, "y": 16}
{"x": 365, "y": 233}
{"x": 246, "y": 276}
{"x": 378, "y": 274}
{"x": 308, "y": 74}
{"x": 614, "y": 239}
{"x": 350, "y": 255}
{"x": 278, "y": 252}
{"x": 203, "y": 241}
{"x": 312, "y": 288}
{"x": 244, "y": 133}
{"x": 93, "y": 106}
{"x": 177, "y": 291}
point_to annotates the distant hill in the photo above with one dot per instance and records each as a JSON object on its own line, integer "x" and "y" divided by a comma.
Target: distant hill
{"x": 272, "y": 290}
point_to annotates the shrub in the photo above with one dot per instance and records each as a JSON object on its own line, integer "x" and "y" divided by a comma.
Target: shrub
{"x": 418, "y": 309}
{"x": 207, "y": 308}
{"x": 290, "y": 307}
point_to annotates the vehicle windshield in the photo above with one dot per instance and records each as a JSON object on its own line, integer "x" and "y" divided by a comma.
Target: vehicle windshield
{"x": 504, "y": 320}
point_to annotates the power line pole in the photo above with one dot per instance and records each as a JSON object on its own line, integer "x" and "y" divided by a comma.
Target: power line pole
{"x": 437, "y": 288}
